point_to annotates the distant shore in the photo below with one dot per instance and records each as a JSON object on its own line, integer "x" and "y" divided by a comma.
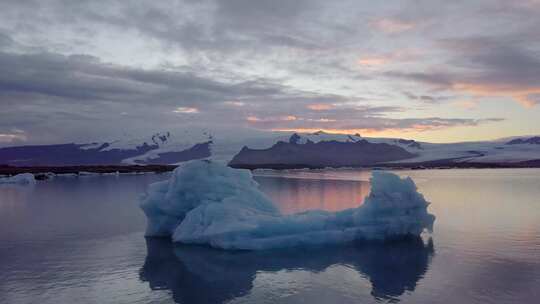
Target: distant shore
{"x": 439, "y": 164}
{"x": 42, "y": 171}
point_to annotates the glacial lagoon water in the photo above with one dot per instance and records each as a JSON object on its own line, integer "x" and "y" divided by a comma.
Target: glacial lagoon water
{"x": 80, "y": 240}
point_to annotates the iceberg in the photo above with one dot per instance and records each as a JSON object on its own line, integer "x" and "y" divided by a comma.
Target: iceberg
{"x": 207, "y": 203}
{"x": 19, "y": 179}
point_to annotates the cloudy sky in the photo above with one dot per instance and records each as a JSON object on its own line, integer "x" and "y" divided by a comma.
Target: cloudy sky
{"x": 440, "y": 71}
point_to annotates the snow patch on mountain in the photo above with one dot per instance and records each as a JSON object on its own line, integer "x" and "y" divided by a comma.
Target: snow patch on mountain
{"x": 157, "y": 140}
{"x": 171, "y": 144}
{"x": 303, "y": 138}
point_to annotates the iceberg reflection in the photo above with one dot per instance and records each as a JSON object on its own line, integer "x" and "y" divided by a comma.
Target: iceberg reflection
{"x": 196, "y": 274}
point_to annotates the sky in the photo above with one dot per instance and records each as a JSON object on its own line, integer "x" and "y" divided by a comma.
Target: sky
{"x": 439, "y": 71}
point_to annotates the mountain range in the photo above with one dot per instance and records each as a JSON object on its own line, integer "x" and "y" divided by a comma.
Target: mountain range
{"x": 283, "y": 150}
{"x": 159, "y": 148}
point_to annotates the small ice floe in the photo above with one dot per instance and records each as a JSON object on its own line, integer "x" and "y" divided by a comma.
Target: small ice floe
{"x": 115, "y": 173}
{"x": 212, "y": 204}
{"x": 86, "y": 173}
{"x": 67, "y": 175}
{"x": 138, "y": 173}
{"x": 45, "y": 176}
{"x": 19, "y": 179}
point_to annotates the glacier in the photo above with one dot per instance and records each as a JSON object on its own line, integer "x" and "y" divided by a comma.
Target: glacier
{"x": 208, "y": 203}
{"x": 19, "y": 179}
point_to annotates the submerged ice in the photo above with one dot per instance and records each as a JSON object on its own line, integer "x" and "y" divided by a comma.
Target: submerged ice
{"x": 211, "y": 204}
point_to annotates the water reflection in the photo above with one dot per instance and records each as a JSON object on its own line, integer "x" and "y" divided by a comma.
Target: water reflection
{"x": 293, "y": 195}
{"x": 203, "y": 275}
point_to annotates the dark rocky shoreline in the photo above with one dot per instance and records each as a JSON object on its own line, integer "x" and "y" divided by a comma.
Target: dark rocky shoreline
{"x": 405, "y": 166}
{"x": 41, "y": 171}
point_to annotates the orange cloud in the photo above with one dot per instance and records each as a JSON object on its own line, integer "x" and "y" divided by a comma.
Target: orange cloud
{"x": 373, "y": 60}
{"x": 268, "y": 119}
{"x": 385, "y": 58}
{"x": 523, "y": 95}
{"x": 390, "y": 130}
{"x": 366, "y": 131}
{"x": 186, "y": 110}
{"x": 320, "y": 107}
{"x": 523, "y": 92}
{"x": 466, "y": 104}
{"x": 288, "y": 118}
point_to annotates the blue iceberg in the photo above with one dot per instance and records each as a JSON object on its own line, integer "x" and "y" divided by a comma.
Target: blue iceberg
{"x": 211, "y": 204}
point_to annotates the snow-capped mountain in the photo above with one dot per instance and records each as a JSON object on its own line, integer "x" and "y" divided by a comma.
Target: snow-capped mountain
{"x": 158, "y": 148}
{"x": 518, "y": 151}
{"x": 276, "y": 150}
{"x": 519, "y": 141}
{"x": 319, "y": 150}
{"x": 157, "y": 139}
{"x": 169, "y": 148}
{"x": 319, "y": 136}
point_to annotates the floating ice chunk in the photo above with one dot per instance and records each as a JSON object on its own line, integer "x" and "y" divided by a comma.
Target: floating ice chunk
{"x": 87, "y": 173}
{"x": 19, "y": 179}
{"x": 115, "y": 173}
{"x": 209, "y": 203}
{"x": 44, "y": 176}
{"x": 200, "y": 183}
{"x": 137, "y": 173}
{"x": 67, "y": 175}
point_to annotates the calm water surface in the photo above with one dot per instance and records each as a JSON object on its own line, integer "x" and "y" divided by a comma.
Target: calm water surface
{"x": 81, "y": 241}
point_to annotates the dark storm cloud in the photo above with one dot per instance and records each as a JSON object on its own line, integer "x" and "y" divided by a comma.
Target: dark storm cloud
{"x": 429, "y": 99}
{"x": 487, "y": 67}
{"x": 216, "y": 27}
{"x": 210, "y": 25}
{"x": 5, "y": 41}
{"x": 508, "y": 65}
{"x": 356, "y": 117}
{"x": 93, "y": 66}
{"x": 492, "y": 50}
{"x": 43, "y": 91}
{"x": 82, "y": 78}
{"x": 437, "y": 79}
{"x": 53, "y": 89}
